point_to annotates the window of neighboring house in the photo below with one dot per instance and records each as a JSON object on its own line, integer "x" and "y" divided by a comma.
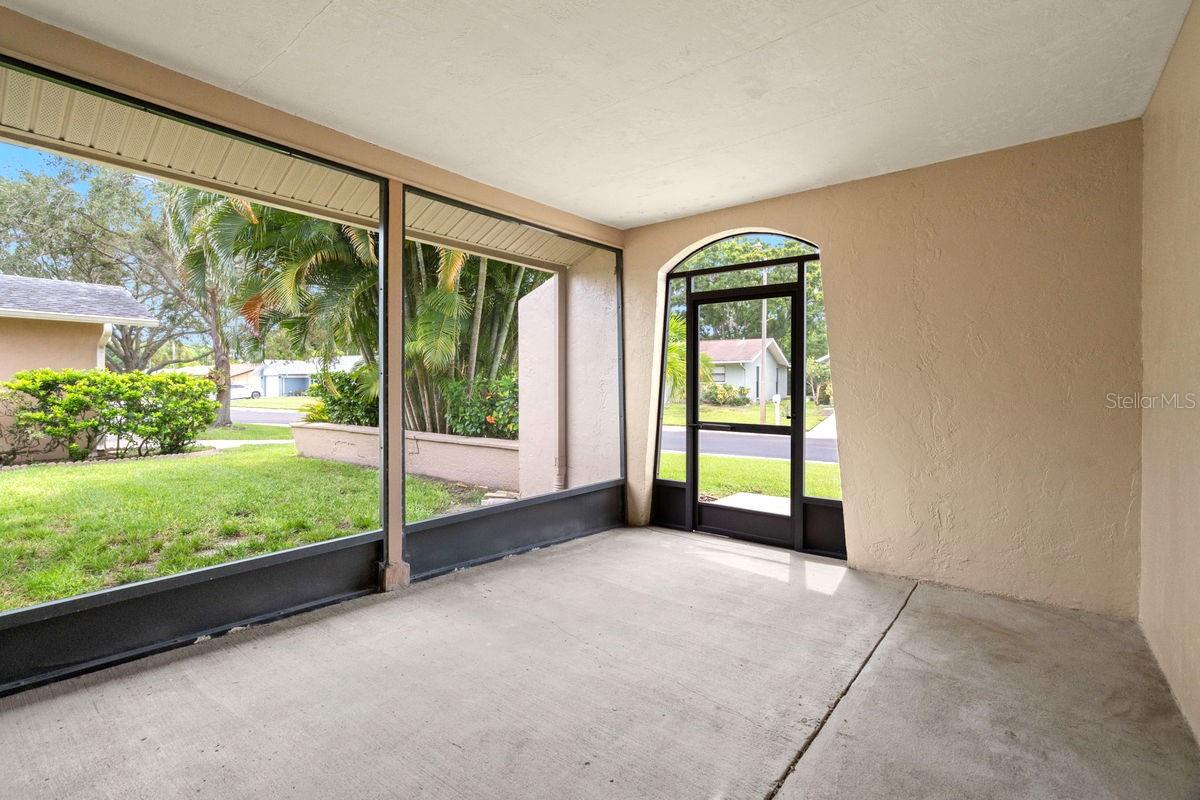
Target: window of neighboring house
{"x": 718, "y": 374}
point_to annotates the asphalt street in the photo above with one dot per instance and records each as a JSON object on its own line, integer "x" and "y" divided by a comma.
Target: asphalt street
{"x": 762, "y": 445}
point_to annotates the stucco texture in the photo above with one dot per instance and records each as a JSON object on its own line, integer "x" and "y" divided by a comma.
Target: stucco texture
{"x": 979, "y": 311}
{"x": 36, "y": 343}
{"x": 1170, "y": 554}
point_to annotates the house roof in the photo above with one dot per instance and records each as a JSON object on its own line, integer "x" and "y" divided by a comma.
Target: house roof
{"x": 740, "y": 351}
{"x": 204, "y": 369}
{"x": 70, "y": 301}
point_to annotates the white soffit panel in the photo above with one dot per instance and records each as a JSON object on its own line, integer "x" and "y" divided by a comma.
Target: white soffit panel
{"x": 54, "y": 116}
{"x": 447, "y": 225}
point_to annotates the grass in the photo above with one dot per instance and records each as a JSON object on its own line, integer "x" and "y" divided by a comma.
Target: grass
{"x": 675, "y": 413}
{"x": 722, "y": 476}
{"x": 287, "y": 403}
{"x": 242, "y": 430}
{"x": 65, "y": 530}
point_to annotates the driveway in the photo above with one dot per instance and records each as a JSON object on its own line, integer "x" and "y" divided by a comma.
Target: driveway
{"x": 725, "y": 443}
{"x": 279, "y": 416}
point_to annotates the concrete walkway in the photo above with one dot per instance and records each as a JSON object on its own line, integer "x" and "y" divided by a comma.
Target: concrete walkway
{"x": 226, "y": 444}
{"x": 631, "y": 664}
{"x": 825, "y": 429}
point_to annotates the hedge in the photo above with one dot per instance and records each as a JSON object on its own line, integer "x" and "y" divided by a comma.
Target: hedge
{"x": 76, "y": 410}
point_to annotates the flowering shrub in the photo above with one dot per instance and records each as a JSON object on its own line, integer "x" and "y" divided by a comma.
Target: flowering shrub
{"x": 722, "y": 394}
{"x": 491, "y": 410}
{"x": 76, "y": 409}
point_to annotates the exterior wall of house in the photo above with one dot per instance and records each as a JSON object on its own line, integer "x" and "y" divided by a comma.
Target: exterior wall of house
{"x": 979, "y": 311}
{"x": 36, "y": 343}
{"x": 33, "y": 343}
{"x": 735, "y": 375}
{"x": 1170, "y": 509}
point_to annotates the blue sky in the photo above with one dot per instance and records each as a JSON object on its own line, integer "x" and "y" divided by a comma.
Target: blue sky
{"x": 15, "y": 159}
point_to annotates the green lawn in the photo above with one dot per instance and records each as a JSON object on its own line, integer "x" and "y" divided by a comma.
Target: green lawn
{"x": 71, "y": 529}
{"x": 675, "y": 414}
{"x": 289, "y": 403}
{"x": 245, "y": 430}
{"x": 722, "y": 476}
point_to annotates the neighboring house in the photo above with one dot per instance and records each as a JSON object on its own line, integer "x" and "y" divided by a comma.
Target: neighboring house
{"x": 61, "y": 324}
{"x": 278, "y": 377}
{"x": 290, "y": 378}
{"x": 737, "y": 362}
{"x": 244, "y": 379}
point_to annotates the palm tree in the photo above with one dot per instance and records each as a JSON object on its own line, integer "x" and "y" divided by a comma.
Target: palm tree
{"x": 675, "y": 361}
{"x": 202, "y": 230}
{"x": 317, "y": 280}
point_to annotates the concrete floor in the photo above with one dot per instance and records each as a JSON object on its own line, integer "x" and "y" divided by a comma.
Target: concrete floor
{"x": 636, "y": 663}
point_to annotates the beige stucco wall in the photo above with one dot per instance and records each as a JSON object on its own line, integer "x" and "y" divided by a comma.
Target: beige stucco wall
{"x": 1170, "y": 555}
{"x": 349, "y": 444}
{"x": 593, "y": 419}
{"x": 537, "y": 388}
{"x": 34, "y": 343}
{"x": 593, "y": 379}
{"x": 979, "y": 311}
{"x": 473, "y": 460}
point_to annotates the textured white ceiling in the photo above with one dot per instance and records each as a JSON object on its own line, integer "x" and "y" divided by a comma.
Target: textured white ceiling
{"x": 629, "y": 112}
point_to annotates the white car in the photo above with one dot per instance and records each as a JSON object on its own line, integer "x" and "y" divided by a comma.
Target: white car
{"x": 240, "y": 391}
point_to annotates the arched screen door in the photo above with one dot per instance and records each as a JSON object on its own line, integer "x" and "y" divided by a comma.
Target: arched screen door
{"x": 743, "y": 437}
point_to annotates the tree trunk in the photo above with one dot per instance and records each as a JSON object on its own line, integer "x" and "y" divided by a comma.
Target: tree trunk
{"x": 502, "y": 341}
{"x": 481, "y": 287}
{"x": 220, "y": 358}
{"x": 420, "y": 265}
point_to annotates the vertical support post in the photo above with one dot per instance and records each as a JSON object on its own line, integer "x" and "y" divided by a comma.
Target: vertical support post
{"x": 395, "y": 570}
{"x": 799, "y": 332}
{"x": 561, "y": 474}
{"x": 692, "y": 418}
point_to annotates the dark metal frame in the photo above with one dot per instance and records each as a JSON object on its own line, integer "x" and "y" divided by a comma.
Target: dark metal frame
{"x": 63, "y": 638}
{"x": 436, "y": 546}
{"x": 823, "y": 515}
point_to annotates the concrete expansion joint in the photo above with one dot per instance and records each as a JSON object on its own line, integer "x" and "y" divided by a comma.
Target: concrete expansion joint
{"x": 791, "y": 767}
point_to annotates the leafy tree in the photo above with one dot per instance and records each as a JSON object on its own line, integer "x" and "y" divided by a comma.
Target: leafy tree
{"x": 98, "y": 225}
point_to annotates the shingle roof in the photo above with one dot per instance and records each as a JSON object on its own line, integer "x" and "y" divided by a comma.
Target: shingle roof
{"x": 739, "y": 351}
{"x": 42, "y": 298}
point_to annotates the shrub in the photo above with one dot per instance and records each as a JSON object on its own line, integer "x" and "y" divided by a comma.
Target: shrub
{"x": 723, "y": 394}
{"x": 491, "y": 410}
{"x": 76, "y": 409}
{"x": 346, "y": 398}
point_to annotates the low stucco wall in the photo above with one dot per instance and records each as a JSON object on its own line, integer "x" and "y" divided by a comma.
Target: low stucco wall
{"x": 493, "y": 463}
{"x": 349, "y": 444}
{"x": 1170, "y": 553}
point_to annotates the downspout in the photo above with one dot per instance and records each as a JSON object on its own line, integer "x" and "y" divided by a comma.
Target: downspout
{"x": 105, "y": 338}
